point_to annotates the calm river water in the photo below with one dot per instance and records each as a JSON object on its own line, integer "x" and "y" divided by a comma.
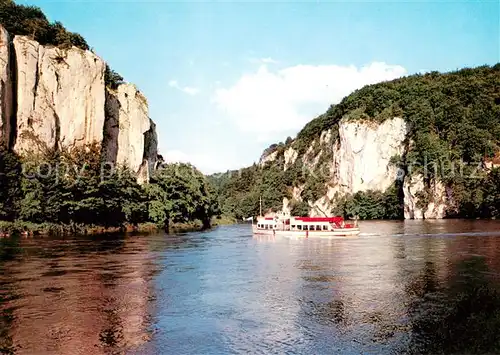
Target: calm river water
{"x": 401, "y": 287}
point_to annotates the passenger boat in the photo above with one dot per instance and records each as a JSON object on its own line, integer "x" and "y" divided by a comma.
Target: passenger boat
{"x": 283, "y": 225}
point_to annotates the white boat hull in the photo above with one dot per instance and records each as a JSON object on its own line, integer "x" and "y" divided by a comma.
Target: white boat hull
{"x": 341, "y": 232}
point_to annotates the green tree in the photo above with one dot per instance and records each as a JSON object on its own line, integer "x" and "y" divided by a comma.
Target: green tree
{"x": 31, "y": 21}
{"x": 300, "y": 208}
{"x": 10, "y": 184}
{"x": 180, "y": 193}
{"x": 112, "y": 79}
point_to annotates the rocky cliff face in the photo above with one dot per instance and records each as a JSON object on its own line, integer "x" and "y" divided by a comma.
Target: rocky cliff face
{"x": 60, "y": 96}
{"x": 416, "y": 206}
{"x": 267, "y": 158}
{"x": 362, "y": 157}
{"x": 361, "y": 162}
{"x": 53, "y": 98}
{"x": 6, "y": 99}
{"x": 150, "y": 158}
{"x": 126, "y": 123}
{"x": 290, "y": 157}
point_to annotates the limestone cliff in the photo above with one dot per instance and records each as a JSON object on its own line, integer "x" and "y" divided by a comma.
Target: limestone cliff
{"x": 6, "y": 99}
{"x": 150, "y": 159}
{"x": 421, "y": 202}
{"x": 362, "y": 158}
{"x": 361, "y": 161}
{"x": 267, "y": 158}
{"x": 54, "y": 98}
{"x": 290, "y": 157}
{"x": 126, "y": 123}
{"x": 60, "y": 96}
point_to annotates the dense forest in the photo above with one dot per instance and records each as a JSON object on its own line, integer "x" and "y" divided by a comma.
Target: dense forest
{"x": 73, "y": 190}
{"x": 453, "y": 117}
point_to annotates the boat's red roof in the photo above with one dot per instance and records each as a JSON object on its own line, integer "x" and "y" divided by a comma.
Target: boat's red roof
{"x": 320, "y": 219}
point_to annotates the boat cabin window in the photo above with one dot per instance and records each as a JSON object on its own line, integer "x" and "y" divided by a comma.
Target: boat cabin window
{"x": 299, "y": 227}
{"x": 325, "y": 228}
{"x": 318, "y": 227}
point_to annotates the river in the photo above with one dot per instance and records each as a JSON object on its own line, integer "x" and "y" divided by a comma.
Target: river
{"x": 400, "y": 287}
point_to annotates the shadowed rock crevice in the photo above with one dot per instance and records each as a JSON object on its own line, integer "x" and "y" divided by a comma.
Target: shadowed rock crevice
{"x": 127, "y": 142}
{"x": 111, "y": 128}
{"x": 13, "y": 114}
{"x": 150, "y": 158}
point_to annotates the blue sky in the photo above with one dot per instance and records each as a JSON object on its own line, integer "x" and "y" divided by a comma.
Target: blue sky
{"x": 224, "y": 80}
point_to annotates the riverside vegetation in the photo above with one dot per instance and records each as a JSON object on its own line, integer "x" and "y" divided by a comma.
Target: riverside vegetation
{"x": 74, "y": 191}
{"x": 453, "y": 117}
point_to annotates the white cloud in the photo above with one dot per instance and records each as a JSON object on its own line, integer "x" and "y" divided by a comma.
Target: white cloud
{"x": 272, "y": 102}
{"x": 267, "y": 60}
{"x": 186, "y": 89}
{"x": 190, "y": 90}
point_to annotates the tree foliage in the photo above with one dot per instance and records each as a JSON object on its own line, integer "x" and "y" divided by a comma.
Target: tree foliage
{"x": 372, "y": 204}
{"x": 300, "y": 209}
{"x": 10, "y": 184}
{"x": 112, "y": 79}
{"x": 180, "y": 193}
{"x": 31, "y": 21}
{"x": 74, "y": 187}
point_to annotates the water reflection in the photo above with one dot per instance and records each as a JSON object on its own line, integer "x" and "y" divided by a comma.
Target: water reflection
{"x": 75, "y": 296}
{"x": 461, "y": 312}
{"x": 403, "y": 295}
{"x": 403, "y": 288}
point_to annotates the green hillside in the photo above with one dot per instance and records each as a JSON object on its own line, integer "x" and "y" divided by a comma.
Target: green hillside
{"x": 453, "y": 117}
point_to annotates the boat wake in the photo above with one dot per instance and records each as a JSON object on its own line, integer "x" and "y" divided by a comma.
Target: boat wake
{"x": 441, "y": 235}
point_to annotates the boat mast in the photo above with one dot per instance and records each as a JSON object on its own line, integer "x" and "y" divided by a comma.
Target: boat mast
{"x": 260, "y": 206}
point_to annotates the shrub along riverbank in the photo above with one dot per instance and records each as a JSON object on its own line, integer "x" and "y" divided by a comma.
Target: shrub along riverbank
{"x": 76, "y": 192}
{"x": 41, "y": 229}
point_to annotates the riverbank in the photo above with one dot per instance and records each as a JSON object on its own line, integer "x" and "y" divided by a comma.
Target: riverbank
{"x": 32, "y": 229}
